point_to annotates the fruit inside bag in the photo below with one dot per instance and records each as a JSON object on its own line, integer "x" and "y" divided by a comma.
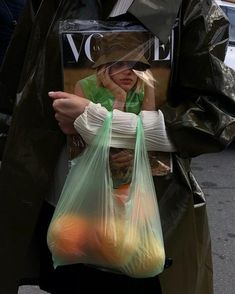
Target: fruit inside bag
{"x": 116, "y": 229}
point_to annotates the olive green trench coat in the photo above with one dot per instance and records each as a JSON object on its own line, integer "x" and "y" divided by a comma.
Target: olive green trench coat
{"x": 200, "y": 116}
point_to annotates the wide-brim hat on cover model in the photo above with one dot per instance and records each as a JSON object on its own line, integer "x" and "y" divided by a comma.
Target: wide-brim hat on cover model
{"x": 115, "y": 47}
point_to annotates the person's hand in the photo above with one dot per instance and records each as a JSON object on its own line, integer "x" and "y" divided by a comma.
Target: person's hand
{"x": 149, "y": 102}
{"x": 67, "y": 108}
{"x": 118, "y": 93}
{"x": 121, "y": 159}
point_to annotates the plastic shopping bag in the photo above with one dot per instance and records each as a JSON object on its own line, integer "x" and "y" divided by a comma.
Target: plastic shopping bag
{"x": 149, "y": 257}
{"x": 115, "y": 229}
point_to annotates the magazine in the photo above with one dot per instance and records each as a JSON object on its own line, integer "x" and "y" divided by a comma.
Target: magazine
{"x": 87, "y": 48}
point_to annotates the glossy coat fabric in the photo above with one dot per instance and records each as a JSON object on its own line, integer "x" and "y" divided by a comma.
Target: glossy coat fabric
{"x": 200, "y": 112}
{"x": 203, "y": 88}
{"x": 10, "y": 11}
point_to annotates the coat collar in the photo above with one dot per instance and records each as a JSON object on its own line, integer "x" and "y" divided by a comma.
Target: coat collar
{"x": 106, "y": 7}
{"x": 156, "y": 15}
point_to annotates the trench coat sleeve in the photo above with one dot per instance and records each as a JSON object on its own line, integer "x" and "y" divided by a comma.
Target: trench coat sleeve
{"x": 27, "y": 41}
{"x": 8, "y": 80}
{"x": 201, "y": 112}
{"x": 34, "y": 141}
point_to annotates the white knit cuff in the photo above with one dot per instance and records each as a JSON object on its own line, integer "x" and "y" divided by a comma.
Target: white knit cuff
{"x": 124, "y": 128}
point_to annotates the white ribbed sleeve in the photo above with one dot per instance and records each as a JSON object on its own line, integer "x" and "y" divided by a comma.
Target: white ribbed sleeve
{"x": 124, "y": 128}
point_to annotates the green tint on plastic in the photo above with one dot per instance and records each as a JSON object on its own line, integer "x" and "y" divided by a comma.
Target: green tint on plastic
{"x": 115, "y": 229}
{"x": 149, "y": 257}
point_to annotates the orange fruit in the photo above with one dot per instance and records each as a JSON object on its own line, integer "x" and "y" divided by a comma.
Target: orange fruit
{"x": 149, "y": 259}
{"x": 121, "y": 193}
{"x": 68, "y": 237}
{"x": 116, "y": 244}
{"x": 144, "y": 209}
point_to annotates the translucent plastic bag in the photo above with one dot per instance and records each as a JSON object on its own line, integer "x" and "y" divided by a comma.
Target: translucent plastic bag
{"x": 115, "y": 229}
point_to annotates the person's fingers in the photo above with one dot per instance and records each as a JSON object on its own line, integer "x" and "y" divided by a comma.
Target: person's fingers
{"x": 123, "y": 154}
{"x": 63, "y": 118}
{"x": 102, "y": 77}
{"x": 67, "y": 129}
{"x": 121, "y": 165}
{"x": 122, "y": 162}
{"x": 107, "y": 75}
{"x": 65, "y": 123}
{"x": 56, "y": 95}
{"x": 60, "y": 95}
{"x": 121, "y": 159}
{"x": 59, "y": 104}
{"x": 64, "y": 105}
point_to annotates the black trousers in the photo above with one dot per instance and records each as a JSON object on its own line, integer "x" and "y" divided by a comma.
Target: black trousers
{"x": 79, "y": 278}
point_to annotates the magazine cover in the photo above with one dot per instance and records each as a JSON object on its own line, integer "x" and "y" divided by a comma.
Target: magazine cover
{"x": 96, "y": 55}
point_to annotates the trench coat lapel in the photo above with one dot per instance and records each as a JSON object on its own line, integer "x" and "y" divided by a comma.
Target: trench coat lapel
{"x": 156, "y": 15}
{"x": 106, "y": 7}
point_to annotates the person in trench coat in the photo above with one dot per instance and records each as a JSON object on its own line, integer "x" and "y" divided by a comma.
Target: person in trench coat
{"x": 199, "y": 115}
